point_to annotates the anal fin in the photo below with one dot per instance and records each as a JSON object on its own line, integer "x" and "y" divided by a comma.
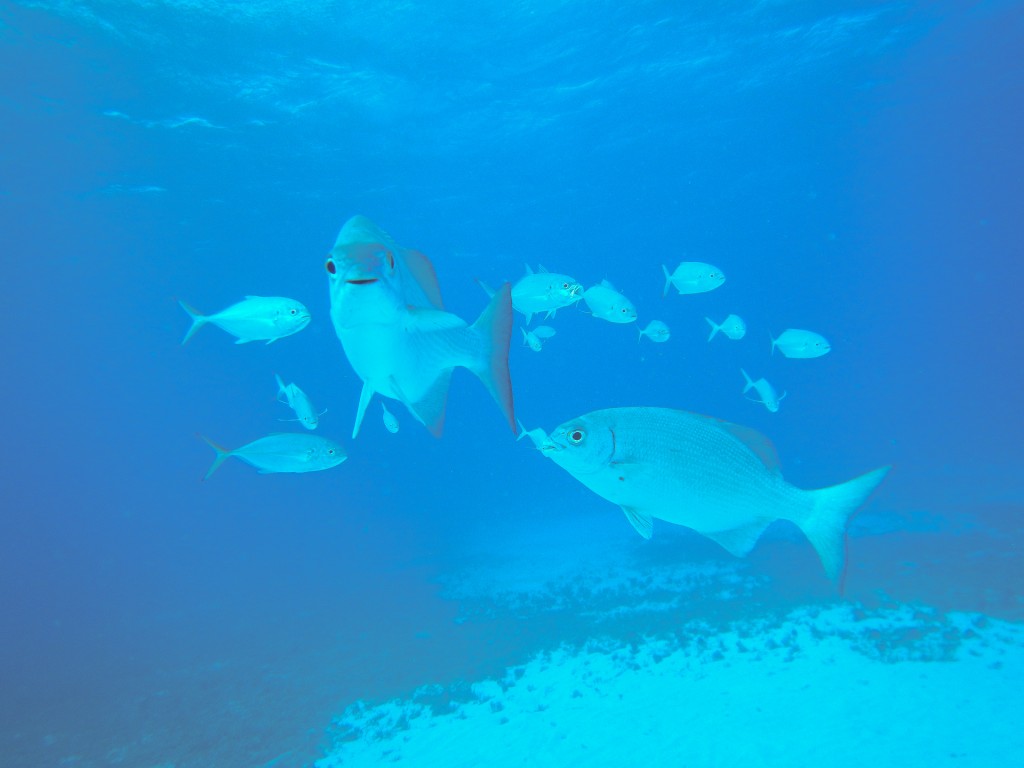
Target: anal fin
{"x": 739, "y": 541}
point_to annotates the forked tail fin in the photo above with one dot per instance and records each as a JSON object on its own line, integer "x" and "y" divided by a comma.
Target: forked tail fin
{"x": 198, "y": 320}
{"x": 749, "y": 381}
{"x": 494, "y": 327}
{"x": 715, "y": 328}
{"x": 668, "y": 281}
{"x": 825, "y": 527}
{"x": 222, "y": 455}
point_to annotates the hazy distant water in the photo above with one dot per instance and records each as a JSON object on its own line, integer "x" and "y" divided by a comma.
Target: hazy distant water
{"x": 852, "y": 167}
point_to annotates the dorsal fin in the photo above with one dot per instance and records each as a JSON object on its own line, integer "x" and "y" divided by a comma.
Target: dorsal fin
{"x": 528, "y": 270}
{"x": 540, "y": 268}
{"x": 607, "y": 284}
{"x": 759, "y": 445}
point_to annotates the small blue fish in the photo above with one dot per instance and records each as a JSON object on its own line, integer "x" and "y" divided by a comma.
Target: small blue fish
{"x": 732, "y": 327}
{"x": 390, "y": 422}
{"x": 255, "y": 318}
{"x": 538, "y": 436}
{"x": 693, "y": 277}
{"x": 287, "y": 452}
{"x": 769, "y": 398}
{"x": 605, "y": 302}
{"x": 299, "y": 402}
{"x": 656, "y": 331}
{"x": 799, "y": 344}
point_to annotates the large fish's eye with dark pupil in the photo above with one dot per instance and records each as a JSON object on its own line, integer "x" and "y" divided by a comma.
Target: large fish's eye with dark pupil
{"x": 330, "y": 266}
{"x": 576, "y": 436}
{"x": 293, "y": 311}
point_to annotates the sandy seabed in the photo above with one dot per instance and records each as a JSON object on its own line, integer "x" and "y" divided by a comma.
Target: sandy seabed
{"x": 825, "y": 684}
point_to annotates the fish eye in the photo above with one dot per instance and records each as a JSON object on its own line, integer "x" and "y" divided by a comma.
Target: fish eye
{"x": 565, "y": 286}
{"x": 330, "y": 266}
{"x": 293, "y": 311}
{"x": 330, "y": 451}
{"x": 576, "y": 436}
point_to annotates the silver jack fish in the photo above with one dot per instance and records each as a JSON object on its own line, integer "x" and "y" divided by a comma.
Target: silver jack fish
{"x": 287, "y": 452}
{"x": 542, "y": 291}
{"x": 299, "y": 402}
{"x": 255, "y": 318}
{"x": 720, "y": 479}
{"x": 387, "y": 312}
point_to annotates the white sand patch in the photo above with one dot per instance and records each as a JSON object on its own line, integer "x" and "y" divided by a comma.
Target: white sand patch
{"x": 837, "y": 686}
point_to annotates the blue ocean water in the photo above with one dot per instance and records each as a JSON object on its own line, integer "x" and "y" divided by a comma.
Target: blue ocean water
{"x": 853, "y": 167}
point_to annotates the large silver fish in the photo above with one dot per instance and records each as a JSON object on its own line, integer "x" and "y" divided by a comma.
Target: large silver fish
{"x": 387, "y": 312}
{"x": 720, "y": 479}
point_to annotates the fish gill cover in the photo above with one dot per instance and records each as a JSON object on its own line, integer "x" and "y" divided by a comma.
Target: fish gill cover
{"x": 843, "y": 169}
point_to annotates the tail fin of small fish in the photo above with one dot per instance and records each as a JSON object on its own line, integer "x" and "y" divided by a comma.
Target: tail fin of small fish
{"x": 772, "y": 337}
{"x": 522, "y": 430}
{"x": 494, "y": 327}
{"x": 750, "y": 382}
{"x": 825, "y": 527}
{"x": 198, "y": 320}
{"x": 222, "y": 455}
{"x": 668, "y": 281}
{"x": 280, "y": 386}
{"x": 715, "y": 328}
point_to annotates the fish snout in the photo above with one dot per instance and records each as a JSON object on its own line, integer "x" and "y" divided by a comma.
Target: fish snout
{"x": 549, "y": 446}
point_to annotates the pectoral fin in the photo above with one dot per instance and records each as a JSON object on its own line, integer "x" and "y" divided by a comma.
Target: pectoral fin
{"x": 364, "y": 400}
{"x": 643, "y": 523}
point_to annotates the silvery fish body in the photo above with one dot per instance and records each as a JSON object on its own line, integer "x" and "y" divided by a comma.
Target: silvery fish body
{"x": 720, "y": 479}
{"x": 285, "y": 452}
{"x": 390, "y": 422}
{"x": 732, "y": 327}
{"x": 693, "y": 277}
{"x": 255, "y": 318}
{"x": 544, "y": 291}
{"x": 605, "y": 302}
{"x": 656, "y": 331}
{"x": 769, "y": 397}
{"x": 387, "y": 312}
{"x": 299, "y": 402}
{"x": 800, "y": 344}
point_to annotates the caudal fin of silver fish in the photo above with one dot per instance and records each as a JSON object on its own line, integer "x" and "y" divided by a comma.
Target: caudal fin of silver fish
{"x": 668, "y": 281}
{"x": 825, "y": 527}
{"x": 749, "y": 381}
{"x": 715, "y": 328}
{"x": 494, "y": 326}
{"x": 198, "y": 320}
{"x": 223, "y": 454}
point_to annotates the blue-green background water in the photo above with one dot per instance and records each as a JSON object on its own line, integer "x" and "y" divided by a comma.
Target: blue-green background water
{"x": 854, "y": 168}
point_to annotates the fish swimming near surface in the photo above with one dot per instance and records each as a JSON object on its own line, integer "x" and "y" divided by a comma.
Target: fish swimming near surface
{"x": 285, "y": 452}
{"x": 655, "y": 331}
{"x": 541, "y": 291}
{"x": 387, "y": 312}
{"x": 769, "y": 398}
{"x": 535, "y": 339}
{"x": 800, "y": 344}
{"x": 605, "y": 302}
{"x": 255, "y": 318}
{"x": 693, "y": 277}
{"x": 390, "y": 422}
{"x": 732, "y": 327}
{"x": 720, "y": 479}
{"x": 299, "y": 402}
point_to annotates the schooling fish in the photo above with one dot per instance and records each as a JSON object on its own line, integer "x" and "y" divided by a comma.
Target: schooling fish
{"x": 720, "y": 479}
{"x": 605, "y": 302}
{"x": 693, "y": 277}
{"x": 535, "y": 339}
{"x": 801, "y": 344}
{"x": 386, "y": 310}
{"x": 732, "y": 327}
{"x": 390, "y": 422}
{"x": 656, "y": 331}
{"x": 542, "y": 291}
{"x": 299, "y": 402}
{"x": 256, "y": 318}
{"x": 769, "y": 398}
{"x": 287, "y": 452}
{"x": 538, "y": 436}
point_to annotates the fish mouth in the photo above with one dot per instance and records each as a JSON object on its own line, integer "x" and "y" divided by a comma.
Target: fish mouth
{"x": 362, "y": 281}
{"x": 549, "y": 446}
